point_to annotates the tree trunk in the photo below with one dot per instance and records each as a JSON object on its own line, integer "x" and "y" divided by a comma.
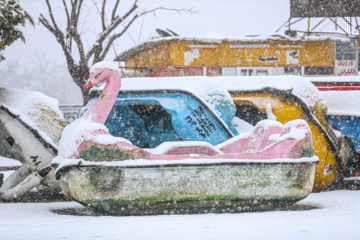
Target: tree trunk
{"x": 80, "y": 76}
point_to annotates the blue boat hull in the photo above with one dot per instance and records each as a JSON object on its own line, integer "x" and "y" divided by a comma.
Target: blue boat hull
{"x": 348, "y": 125}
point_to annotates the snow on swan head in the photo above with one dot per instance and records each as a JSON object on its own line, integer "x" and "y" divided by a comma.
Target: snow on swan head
{"x": 100, "y": 72}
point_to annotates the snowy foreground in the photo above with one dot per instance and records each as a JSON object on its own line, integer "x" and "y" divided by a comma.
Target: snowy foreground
{"x": 328, "y": 215}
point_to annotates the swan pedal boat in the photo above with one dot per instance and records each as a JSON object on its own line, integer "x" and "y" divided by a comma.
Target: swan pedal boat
{"x": 269, "y": 167}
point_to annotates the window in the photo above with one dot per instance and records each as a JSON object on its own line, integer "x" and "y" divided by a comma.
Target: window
{"x": 345, "y": 50}
{"x": 243, "y": 72}
{"x": 253, "y": 71}
{"x": 155, "y": 118}
{"x": 292, "y": 71}
{"x": 319, "y": 71}
{"x": 261, "y": 73}
{"x": 228, "y": 71}
{"x": 145, "y": 126}
{"x": 249, "y": 114}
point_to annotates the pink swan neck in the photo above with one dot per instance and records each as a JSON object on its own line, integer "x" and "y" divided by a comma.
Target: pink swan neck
{"x": 100, "y": 110}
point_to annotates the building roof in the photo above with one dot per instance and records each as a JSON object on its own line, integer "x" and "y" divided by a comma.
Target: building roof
{"x": 214, "y": 38}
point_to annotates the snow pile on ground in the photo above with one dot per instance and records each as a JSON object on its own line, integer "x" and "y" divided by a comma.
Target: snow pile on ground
{"x": 343, "y": 102}
{"x": 327, "y": 215}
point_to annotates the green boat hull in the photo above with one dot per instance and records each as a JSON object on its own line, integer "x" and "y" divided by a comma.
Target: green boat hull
{"x": 189, "y": 188}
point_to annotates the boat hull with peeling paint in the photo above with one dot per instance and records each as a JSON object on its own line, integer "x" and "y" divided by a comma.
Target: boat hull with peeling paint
{"x": 188, "y": 187}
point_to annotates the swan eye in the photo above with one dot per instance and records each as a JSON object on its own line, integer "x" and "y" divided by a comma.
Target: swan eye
{"x": 98, "y": 75}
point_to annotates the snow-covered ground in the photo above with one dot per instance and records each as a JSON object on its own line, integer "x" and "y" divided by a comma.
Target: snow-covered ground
{"x": 327, "y": 215}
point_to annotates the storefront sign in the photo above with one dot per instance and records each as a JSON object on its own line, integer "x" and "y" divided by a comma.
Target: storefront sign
{"x": 292, "y": 57}
{"x": 345, "y": 68}
{"x": 267, "y": 59}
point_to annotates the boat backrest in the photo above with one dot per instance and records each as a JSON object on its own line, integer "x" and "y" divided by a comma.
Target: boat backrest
{"x": 148, "y": 119}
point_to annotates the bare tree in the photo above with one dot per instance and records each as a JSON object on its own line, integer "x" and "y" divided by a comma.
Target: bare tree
{"x": 79, "y": 69}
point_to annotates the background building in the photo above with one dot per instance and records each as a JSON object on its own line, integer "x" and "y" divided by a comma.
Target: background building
{"x": 313, "y": 54}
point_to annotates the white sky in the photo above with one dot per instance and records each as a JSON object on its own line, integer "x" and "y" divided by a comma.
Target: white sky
{"x": 227, "y": 17}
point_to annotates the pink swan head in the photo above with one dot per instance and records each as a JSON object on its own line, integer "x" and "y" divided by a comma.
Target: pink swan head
{"x": 100, "y": 72}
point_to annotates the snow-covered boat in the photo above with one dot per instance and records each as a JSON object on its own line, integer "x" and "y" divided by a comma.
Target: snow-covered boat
{"x": 344, "y": 115}
{"x": 286, "y": 98}
{"x": 270, "y": 166}
{"x": 342, "y": 98}
{"x": 30, "y": 128}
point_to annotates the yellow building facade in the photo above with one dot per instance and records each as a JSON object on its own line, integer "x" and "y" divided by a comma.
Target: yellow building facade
{"x": 269, "y": 55}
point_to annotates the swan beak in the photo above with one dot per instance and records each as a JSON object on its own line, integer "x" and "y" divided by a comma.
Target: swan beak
{"x": 87, "y": 85}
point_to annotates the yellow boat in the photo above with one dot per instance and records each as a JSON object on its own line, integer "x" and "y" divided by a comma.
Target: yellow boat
{"x": 286, "y": 99}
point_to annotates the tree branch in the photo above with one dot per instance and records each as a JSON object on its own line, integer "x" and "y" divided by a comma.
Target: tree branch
{"x": 116, "y": 36}
{"x": 117, "y": 21}
{"x": 66, "y": 11}
{"x": 75, "y": 12}
{"x": 68, "y": 26}
{"x": 114, "y": 10}
{"x": 97, "y": 52}
{"x": 52, "y": 16}
{"x": 92, "y": 50}
{"x": 97, "y": 47}
{"x": 79, "y": 8}
{"x": 103, "y": 15}
{"x": 46, "y": 24}
{"x": 183, "y": 10}
{"x": 74, "y": 19}
{"x": 58, "y": 35}
{"x": 80, "y": 46}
